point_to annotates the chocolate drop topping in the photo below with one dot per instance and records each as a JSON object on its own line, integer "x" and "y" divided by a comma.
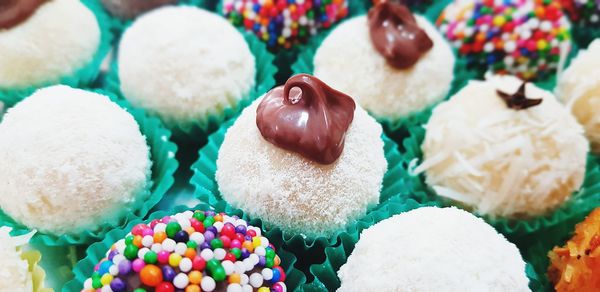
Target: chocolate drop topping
{"x": 128, "y": 9}
{"x": 396, "y": 35}
{"x": 14, "y": 12}
{"x": 518, "y": 100}
{"x": 311, "y": 121}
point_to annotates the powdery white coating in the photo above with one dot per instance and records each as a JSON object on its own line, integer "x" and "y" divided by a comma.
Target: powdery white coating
{"x": 347, "y": 61}
{"x": 61, "y": 37}
{"x": 71, "y": 160}
{"x": 14, "y": 271}
{"x": 181, "y": 63}
{"x": 433, "y": 249}
{"x": 294, "y": 193}
{"x": 501, "y": 161}
{"x": 579, "y": 88}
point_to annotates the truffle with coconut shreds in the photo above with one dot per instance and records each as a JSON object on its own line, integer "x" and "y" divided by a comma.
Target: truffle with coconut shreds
{"x": 433, "y": 249}
{"x": 579, "y": 89}
{"x": 14, "y": 271}
{"x": 290, "y": 191}
{"x": 348, "y": 61}
{"x": 183, "y": 63}
{"x": 505, "y": 148}
{"x": 58, "y": 39}
{"x": 71, "y": 160}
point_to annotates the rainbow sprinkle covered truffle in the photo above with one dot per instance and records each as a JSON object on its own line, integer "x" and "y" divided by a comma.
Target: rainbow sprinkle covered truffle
{"x": 190, "y": 251}
{"x": 284, "y": 23}
{"x": 527, "y": 38}
{"x": 586, "y": 12}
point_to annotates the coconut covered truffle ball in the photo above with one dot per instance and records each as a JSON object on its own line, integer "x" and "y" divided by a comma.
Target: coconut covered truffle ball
{"x": 55, "y": 40}
{"x": 437, "y": 249}
{"x": 15, "y": 274}
{"x": 71, "y": 160}
{"x": 579, "y": 89}
{"x": 127, "y": 9}
{"x": 312, "y": 191}
{"x": 349, "y": 60}
{"x": 182, "y": 63}
{"x": 504, "y": 147}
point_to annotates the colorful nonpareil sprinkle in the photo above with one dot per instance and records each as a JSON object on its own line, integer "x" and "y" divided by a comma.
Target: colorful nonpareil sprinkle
{"x": 527, "y": 38}
{"x": 190, "y": 251}
{"x": 284, "y": 23}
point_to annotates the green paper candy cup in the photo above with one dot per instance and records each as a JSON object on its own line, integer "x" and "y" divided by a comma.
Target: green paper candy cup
{"x": 206, "y": 189}
{"x": 396, "y": 127}
{"x": 325, "y": 274}
{"x": 525, "y": 232}
{"x": 164, "y": 164}
{"x": 85, "y": 76}
{"x": 97, "y": 251}
{"x": 204, "y": 125}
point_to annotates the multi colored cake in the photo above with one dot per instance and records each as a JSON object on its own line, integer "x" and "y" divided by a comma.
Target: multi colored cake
{"x": 303, "y": 158}
{"x": 284, "y": 23}
{"x": 526, "y": 38}
{"x": 579, "y": 88}
{"x": 393, "y": 63}
{"x": 576, "y": 266}
{"x": 44, "y": 41}
{"x": 433, "y": 249}
{"x": 72, "y": 160}
{"x": 504, "y": 147}
{"x": 190, "y": 251}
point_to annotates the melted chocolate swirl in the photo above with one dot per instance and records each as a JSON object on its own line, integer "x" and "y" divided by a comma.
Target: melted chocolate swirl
{"x": 311, "y": 121}
{"x": 396, "y": 35}
{"x": 14, "y": 12}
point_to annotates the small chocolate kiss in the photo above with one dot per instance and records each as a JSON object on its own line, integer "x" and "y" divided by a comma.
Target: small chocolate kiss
{"x": 14, "y": 12}
{"x": 312, "y": 123}
{"x": 396, "y": 35}
{"x": 518, "y": 100}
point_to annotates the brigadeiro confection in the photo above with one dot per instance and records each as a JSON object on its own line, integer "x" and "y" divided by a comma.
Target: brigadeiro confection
{"x": 72, "y": 160}
{"x": 526, "y": 38}
{"x": 304, "y": 158}
{"x": 392, "y": 62}
{"x": 579, "y": 88}
{"x": 128, "y": 9}
{"x": 283, "y": 23}
{"x": 19, "y": 270}
{"x": 433, "y": 249}
{"x": 183, "y": 64}
{"x": 504, "y": 147}
{"x": 42, "y": 42}
{"x": 191, "y": 251}
{"x": 576, "y": 266}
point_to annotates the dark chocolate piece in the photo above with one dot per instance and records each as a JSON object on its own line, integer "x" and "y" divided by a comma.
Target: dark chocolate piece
{"x": 128, "y": 9}
{"x": 306, "y": 116}
{"x": 396, "y": 35}
{"x": 518, "y": 100}
{"x": 14, "y": 12}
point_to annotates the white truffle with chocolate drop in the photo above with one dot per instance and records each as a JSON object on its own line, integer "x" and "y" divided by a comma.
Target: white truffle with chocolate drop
{"x": 58, "y": 39}
{"x": 502, "y": 161}
{"x": 71, "y": 160}
{"x": 297, "y": 194}
{"x": 348, "y": 61}
{"x": 579, "y": 89}
{"x": 433, "y": 249}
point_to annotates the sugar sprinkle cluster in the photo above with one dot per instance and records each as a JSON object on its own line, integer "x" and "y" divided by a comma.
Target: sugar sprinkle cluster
{"x": 190, "y": 251}
{"x": 527, "y": 38}
{"x": 284, "y": 23}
